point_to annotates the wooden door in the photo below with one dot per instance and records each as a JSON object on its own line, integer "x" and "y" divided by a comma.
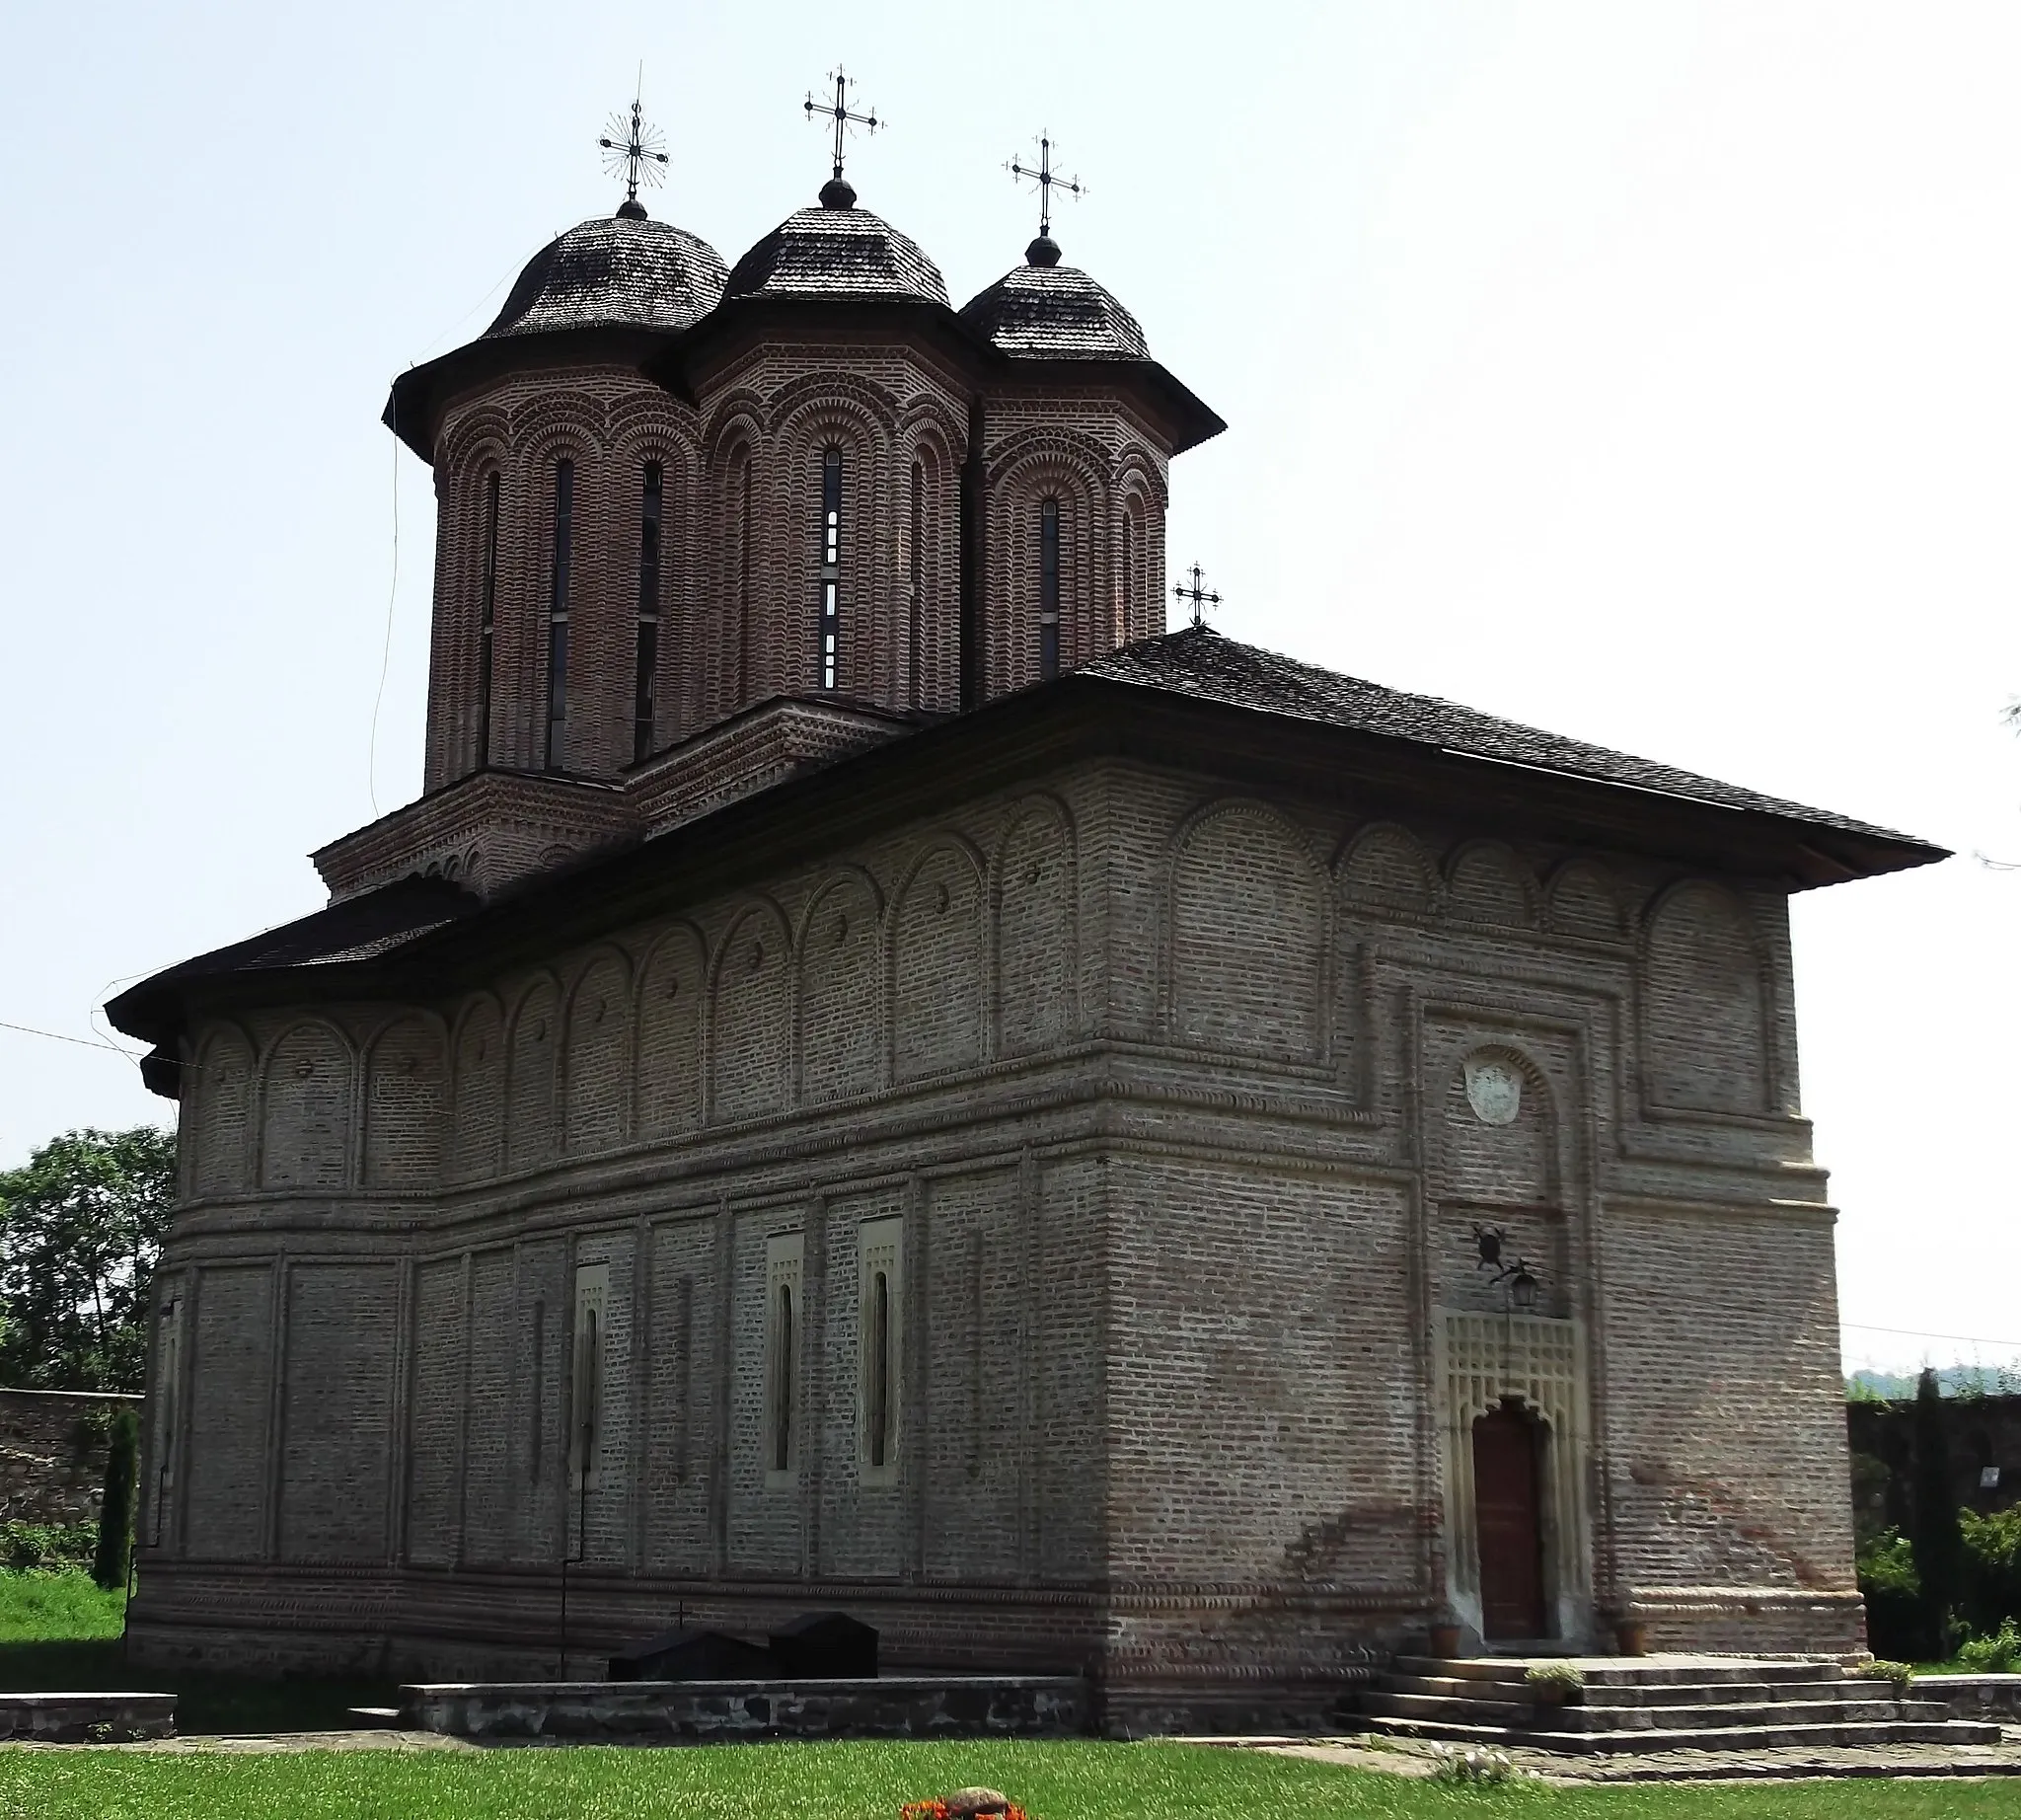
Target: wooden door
{"x": 1509, "y": 1521}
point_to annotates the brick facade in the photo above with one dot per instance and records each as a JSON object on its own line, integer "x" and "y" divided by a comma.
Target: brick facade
{"x": 1097, "y": 1123}
{"x": 1163, "y": 1080}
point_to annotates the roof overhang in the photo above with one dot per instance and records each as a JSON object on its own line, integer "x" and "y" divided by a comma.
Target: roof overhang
{"x": 419, "y": 938}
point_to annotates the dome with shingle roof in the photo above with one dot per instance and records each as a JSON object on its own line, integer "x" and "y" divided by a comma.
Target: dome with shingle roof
{"x": 1045, "y": 310}
{"x": 623, "y": 271}
{"x": 837, "y": 251}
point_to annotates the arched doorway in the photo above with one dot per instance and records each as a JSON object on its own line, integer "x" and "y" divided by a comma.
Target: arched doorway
{"x": 1508, "y": 1497}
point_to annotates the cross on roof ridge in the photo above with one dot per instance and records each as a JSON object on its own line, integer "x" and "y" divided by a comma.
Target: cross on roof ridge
{"x": 634, "y": 147}
{"x": 1202, "y": 598}
{"x": 1047, "y": 181}
{"x": 839, "y": 111}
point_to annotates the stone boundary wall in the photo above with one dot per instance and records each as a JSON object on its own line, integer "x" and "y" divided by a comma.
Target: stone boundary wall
{"x": 891, "y": 1707}
{"x": 52, "y": 1454}
{"x": 1971, "y": 1697}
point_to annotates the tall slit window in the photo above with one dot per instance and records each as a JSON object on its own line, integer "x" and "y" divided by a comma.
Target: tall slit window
{"x": 831, "y": 568}
{"x": 585, "y": 1438}
{"x": 783, "y": 1378}
{"x": 740, "y": 489}
{"x": 648, "y": 666}
{"x": 487, "y": 612}
{"x": 557, "y": 612}
{"x": 880, "y": 1322}
{"x": 919, "y": 577}
{"x": 784, "y": 1255}
{"x": 1129, "y": 574}
{"x": 1049, "y": 587}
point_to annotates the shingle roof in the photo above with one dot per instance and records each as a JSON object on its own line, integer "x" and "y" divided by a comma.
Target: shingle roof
{"x": 1201, "y": 663}
{"x": 1055, "y": 313}
{"x": 358, "y": 929}
{"x": 623, "y": 271}
{"x": 836, "y": 251}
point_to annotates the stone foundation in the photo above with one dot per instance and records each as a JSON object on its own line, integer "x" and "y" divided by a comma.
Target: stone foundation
{"x": 704, "y": 1711}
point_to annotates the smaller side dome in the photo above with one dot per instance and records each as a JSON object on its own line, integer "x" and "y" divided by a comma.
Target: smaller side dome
{"x": 1042, "y": 310}
{"x": 625, "y": 270}
{"x": 836, "y": 251}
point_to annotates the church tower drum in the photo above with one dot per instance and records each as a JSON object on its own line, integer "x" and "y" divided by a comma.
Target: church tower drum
{"x": 672, "y": 494}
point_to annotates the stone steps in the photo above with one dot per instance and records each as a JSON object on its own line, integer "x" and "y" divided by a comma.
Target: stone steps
{"x": 1396, "y": 1703}
{"x": 1656, "y": 1694}
{"x": 1630, "y": 1671}
{"x": 1660, "y": 1704}
{"x": 1718, "y": 1738}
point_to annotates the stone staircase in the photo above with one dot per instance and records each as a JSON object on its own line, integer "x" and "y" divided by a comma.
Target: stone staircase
{"x": 1656, "y": 1703}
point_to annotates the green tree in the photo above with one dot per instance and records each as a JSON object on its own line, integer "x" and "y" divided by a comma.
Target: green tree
{"x": 1939, "y": 1548}
{"x": 81, "y": 1225}
{"x": 115, "y": 1510}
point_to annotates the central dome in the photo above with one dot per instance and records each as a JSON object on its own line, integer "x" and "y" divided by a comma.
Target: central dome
{"x": 623, "y": 271}
{"x": 836, "y": 251}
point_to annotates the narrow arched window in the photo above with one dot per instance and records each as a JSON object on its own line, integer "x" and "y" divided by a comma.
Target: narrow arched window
{"x": 919, "y": 580}
{"x": 647, "y": 664}
{"x": 561, "y": 558}
{"x": 880, "y": 1369}
{"x": 1049, "y": 587}
{"x": 487, "y": 608}
{"x": 782, "y": 1453}
{"x": 831, "y": 568}
{"x": 740, "y": 491}
{"x": 1130, "y": 561}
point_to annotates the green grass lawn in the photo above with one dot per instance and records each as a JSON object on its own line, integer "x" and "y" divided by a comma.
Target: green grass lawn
{"x": 59, "y": 1633}
{"x": 1077, "y": 1780}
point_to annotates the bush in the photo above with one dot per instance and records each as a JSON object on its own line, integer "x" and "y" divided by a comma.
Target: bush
{"x": 1555, "y": 1680}
{"x": 1997, "y": 1654}
{"x": 49, "y": 1545}
{"x": 1893, "y": 1591}
{"x": 1881, "y": 1669}
{"x": 1993, "y": 1567}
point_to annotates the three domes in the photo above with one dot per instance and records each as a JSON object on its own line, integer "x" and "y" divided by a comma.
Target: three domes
{"x": 628, "y": 271}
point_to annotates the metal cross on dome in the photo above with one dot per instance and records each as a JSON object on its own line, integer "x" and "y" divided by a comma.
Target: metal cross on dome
{"x": 1047, "y": 182}
{"x": 838, "y": 110}
{"x": 632, "y": 149}
{"x": 1202, "y": 598}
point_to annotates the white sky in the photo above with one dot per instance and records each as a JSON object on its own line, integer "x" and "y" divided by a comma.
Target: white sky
{"x": 1648, "y": 372}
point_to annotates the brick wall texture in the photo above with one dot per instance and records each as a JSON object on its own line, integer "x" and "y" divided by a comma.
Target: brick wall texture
{"x": 1168, "y": 1087}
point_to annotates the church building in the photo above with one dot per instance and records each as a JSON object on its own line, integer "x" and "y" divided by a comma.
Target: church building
{"x": 873, "y": 1077}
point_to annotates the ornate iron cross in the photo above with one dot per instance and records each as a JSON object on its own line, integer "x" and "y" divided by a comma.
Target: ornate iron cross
{"x": 838, "y": 110}
{"x": 632, "y": 149}
{"x": 1202, "y": 598}
{"x": 1047, "y": 182}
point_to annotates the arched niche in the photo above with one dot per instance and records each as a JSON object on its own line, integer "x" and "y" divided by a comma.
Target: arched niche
{"x": 1039, "y": 962}
{"x": 1499, "y": 1129}
{"x": 937, "y": 965}
{"x": 406, "y": 1095}
{"x": 841, "y": 998}
{"x": 530, "y": 1076}
{"x": 597, "y": 1063}
{"x": 306, "y": 1109}
{"x": 1387, "y": 869}
{"x": 477, "y": 1123}
{"x": 1703, "y": 1024}
{"x": 1247, "y": 936}
{"x": 1487, "y": 883}
{"x": 224, "y": 1092}
{"x": 671, "y": 990}
{"x": 750, "y": 1028}
{"x": 1583, "y": 901}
